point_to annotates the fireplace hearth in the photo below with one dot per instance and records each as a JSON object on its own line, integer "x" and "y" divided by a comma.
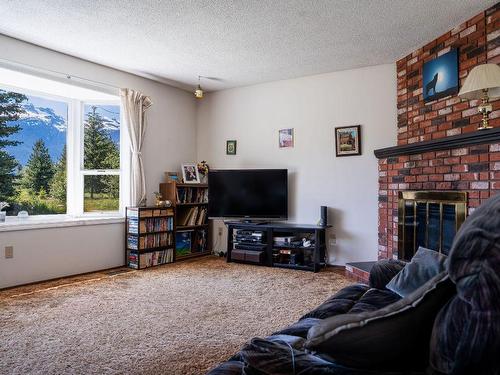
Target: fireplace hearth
{"x": 429, "y": 219}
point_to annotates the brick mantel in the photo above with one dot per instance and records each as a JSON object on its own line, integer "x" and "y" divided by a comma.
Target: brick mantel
{"x": 461, "y": 140}
{"x": 438, "y": 145}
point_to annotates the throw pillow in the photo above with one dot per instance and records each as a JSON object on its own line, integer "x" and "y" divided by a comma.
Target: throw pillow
{"x": 383, "y": 271}
{"x": 394, "y": 337}
{"x": 424, "y": 265}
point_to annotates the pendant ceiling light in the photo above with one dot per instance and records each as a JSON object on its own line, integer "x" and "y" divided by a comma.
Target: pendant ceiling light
{"x": 198, "y": 93}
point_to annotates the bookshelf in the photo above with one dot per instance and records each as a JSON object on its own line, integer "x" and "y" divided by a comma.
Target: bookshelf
{"x": 149, "y": 236}
{"x": 191, "y": 218}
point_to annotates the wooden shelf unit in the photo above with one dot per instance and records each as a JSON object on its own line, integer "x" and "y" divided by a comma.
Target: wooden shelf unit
{"x": 149, "y": 236}
{"x": 191, "y": 216}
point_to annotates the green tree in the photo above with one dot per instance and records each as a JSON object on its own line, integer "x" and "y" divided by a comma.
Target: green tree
{"x": 38, "y": 173}
{"x": 100, "y": 152}
{"x": 59, "y": 181}
{"x": 10, "y": 110}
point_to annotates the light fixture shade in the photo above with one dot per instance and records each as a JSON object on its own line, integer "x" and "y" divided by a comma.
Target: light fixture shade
{"x": 485, "y": 76}
{"x": 198, "y": 93}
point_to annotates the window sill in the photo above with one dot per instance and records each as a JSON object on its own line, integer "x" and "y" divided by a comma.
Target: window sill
{"x": 13, "y": 223}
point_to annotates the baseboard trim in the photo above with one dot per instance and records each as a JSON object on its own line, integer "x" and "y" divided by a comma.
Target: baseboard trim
{"x": 62, "y": 277}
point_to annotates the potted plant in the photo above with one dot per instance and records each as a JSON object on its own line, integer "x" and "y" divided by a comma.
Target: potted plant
{"x": 203, "y": 170}
{"x": 2, "y": 212}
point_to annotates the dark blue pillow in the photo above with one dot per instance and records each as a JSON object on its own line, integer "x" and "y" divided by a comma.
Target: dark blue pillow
{"x": 424, "y": 265}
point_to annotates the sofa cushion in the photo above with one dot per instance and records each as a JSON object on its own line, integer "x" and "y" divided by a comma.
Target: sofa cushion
{"x": 340, "y": 303}
{"x": 393, "y": 337}
{"x": 299, "y": 328}
{"x": 383, "y": 271}
{"x": 273, "y": 356}
{"x": 374, "y": 299}
{"x": 466, "y": 335}
{"x": 424, "y": 265}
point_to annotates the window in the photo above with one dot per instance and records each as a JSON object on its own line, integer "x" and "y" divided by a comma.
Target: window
{"x": 61, "y": 155}
{"x": 101, "y": 158}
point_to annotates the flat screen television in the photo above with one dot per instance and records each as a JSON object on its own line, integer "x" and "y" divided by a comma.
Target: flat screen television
{"x": 248, "y": 193}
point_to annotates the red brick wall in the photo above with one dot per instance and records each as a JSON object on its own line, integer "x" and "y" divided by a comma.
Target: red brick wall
{"x": 474, "y": 169}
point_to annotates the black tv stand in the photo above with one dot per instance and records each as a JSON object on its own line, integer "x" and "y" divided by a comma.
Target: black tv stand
{"x": 254, "y": 222}
{"x": 267, "y": 253}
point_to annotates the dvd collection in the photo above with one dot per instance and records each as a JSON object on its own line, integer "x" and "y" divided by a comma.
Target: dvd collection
{"x": 153, "y": 258}
{"x": 150, "y": 241}
{"x": 160, "y": 224}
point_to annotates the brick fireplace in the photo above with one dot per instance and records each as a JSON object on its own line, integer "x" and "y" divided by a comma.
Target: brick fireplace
{"x": 474, "y": 169}
{"x": 438, "y": 145}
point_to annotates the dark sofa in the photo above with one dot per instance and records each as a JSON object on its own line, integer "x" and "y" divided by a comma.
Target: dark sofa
{"x": 460, "y": 333}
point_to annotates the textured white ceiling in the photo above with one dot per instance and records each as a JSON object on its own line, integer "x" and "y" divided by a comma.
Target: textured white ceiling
{"x": 239, "y": 42}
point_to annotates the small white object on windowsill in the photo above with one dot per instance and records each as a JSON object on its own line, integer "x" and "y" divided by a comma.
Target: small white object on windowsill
{"x": 3, "y": 214}
{"x": 23, "y": 214}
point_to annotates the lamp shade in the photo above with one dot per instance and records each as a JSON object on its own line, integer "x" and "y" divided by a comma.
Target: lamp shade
{"x": 485, "y": 76}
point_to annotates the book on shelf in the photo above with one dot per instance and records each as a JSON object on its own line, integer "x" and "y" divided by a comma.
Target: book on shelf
{"x": 200, "y": 241}
{"x": 150, "y": 241}
{"x": 150, "y": 224}
{"x": 192, "y": 195}
{"x": 150, "y": 259}
{"x": 192, "y": 216}
{"x": 150, "y": 212}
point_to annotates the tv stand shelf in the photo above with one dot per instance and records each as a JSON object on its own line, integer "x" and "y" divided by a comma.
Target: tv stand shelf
{"x": 261, "y": 253}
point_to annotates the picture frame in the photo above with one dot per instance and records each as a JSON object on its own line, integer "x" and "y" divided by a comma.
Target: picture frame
{"x": 231, "y": 147}
{"x": 440, "y": 76}
{"x": 286, "y": 138}
{"x": 171, "y": 177}
{"x": 348, "y": 140}
{"x": 190, "y": 174}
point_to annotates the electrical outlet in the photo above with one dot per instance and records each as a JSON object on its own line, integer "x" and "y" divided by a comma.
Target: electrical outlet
{"x": 333, "y": 241}
{"x": 9, "y": 252}
{"x": 220, "y": 231}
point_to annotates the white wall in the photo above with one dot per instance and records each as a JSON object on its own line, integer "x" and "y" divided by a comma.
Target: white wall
{"x": 170, "y": 141}
{"x": 313, "y": 106}
{"x": 42, "y": 254}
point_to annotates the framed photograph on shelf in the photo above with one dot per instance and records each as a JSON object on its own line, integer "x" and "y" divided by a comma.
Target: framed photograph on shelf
{"x": 190, "y": 174}
{"x": 231, "y": 147}
{"x": 348, "y": 140}
{"x": 286, "y": 138}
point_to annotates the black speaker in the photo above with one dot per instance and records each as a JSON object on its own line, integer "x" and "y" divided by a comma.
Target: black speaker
{"x": 324, "y": 216}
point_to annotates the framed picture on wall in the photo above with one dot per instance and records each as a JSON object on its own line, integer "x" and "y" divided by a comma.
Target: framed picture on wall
{"x": 231, "y": 147}
{"x": 190, "y": 174}
{"x": 285, "y": 138}
{"x": 440, "y": 76}
{"x": 348, "y": 140}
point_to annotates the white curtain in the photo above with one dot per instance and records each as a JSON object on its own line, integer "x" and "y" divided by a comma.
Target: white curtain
{"x": 135, "y": 105}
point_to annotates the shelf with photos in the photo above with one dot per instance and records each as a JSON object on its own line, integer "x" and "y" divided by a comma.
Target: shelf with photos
{"x": 189, "y": 195}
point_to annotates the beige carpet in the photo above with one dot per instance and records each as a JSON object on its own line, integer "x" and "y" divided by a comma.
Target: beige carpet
{"x": 183, "y": 318}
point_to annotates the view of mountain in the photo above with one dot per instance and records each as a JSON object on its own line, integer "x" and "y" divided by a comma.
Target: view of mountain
{"x": 48, "y": 120}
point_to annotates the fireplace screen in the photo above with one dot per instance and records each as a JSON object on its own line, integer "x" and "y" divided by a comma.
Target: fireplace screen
{"x": 430, "y": 219}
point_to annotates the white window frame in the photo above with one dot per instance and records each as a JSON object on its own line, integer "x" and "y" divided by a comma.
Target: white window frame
{"x": 74, "y": 158}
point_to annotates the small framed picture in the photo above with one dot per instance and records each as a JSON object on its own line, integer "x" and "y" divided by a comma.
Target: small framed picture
{"x": 190, "y": 174}
{"x": 171, "y": 176}
{"x": 231, "y": 147}
{"x": 286, "y": 138}
{"x": 348, "y": 140}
